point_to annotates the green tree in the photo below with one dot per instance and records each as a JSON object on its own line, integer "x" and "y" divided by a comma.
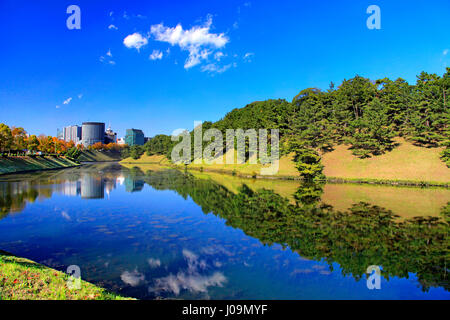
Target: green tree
{"x": 355, "y": 94}
{"x": 19, "y": 139}
{"x": 160, "y": 144}
{"x": 311, "y": 122}
{"x": 136, "y": 152}
{"x": 373, "y": 132}
{"x": 6, "y": 138}
{"x": 308, "y": 163}
{"x": 397, "y": 98}
{"x": 430, "y": 116}
{"x": 33, "y": 143}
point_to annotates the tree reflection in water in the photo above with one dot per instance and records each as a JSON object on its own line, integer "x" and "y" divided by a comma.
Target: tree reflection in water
{"x": 356, "y": 238}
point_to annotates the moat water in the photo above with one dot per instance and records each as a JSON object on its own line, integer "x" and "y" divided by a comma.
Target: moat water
{"x": 162, "y": 233}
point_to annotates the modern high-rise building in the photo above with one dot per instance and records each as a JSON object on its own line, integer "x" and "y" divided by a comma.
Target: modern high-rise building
{"x": 72, "y": 133}
{"x": 60, "y": 134}
{"x": 134, "y": 137}
{"x": 92, "y": 132}
{"x": 110, "y": 136}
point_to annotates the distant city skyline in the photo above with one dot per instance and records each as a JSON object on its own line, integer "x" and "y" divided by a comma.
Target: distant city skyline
{"x": 159, "y": 66}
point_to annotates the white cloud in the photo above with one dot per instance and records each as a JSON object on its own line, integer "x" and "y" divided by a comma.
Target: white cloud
{"x": 154, "y": 263}
{"x": 156, "y": 55}
{"x": 135, "y": 40}
{"x": 112, "y": 27}
{"x": 196, "y": 56}
{"x": 107, "y": 58}
{"x": 248, "y": 56}
{"x": 213, "y": 68}
{"x": 67, "y": 101}
{"x": 65, "y": 215}
{"x": 80, "y": 96}
{"x": 192, "y": 282}
{"x": 198, "y": 40}
{"x": 218, "y": 55}
{"x": 132, "y": 278}
{"x": 445, "y": 52}
{"x": 189, "y": 279}
{"x": 57, "y": 107}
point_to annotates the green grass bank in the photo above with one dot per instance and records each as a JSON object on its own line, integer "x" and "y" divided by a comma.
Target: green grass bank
{"x": 99, "y": 156}
{"x": 23, "y": 279}
{"x": 34, "y": 163}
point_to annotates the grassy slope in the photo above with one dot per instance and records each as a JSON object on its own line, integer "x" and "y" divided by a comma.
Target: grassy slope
{"x": 19, "y": 164}
{"x": 286, "y": 168}
{"x": 406, "y": 162}
{"x": 23, "y": 279}
{"x": 145, "y": 159}
{"x": 98, "y": 156}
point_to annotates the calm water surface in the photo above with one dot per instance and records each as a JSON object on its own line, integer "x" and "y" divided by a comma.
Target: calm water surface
{"x": 170, "y": 234}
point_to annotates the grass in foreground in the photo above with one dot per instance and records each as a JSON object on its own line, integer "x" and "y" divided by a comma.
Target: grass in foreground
{"x": 23, "y": 279}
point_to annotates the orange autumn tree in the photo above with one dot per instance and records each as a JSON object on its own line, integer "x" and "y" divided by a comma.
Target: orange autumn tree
{"x": 97, "y": 146}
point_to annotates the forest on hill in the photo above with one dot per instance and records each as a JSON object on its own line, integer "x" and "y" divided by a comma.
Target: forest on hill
{"x": 360, "y": 112}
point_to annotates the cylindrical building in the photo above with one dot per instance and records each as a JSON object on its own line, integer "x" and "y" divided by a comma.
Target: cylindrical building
{"x": 92, "y": 132}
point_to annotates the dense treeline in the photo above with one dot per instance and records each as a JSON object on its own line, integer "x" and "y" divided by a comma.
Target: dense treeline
{"x": 159, "y": 144}
{"x": 16, "y": 141}
{"x": 360, "y": 112}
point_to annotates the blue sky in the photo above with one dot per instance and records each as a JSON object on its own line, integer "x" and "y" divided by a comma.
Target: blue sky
{"x": 222, "y": 55}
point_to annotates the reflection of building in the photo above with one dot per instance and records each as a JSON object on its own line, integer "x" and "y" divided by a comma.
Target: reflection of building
{"x": 92, "y": 132}
{"x": 72, "y": 133}
{"x": 110, "y": 185}
{"x": 92, "y": 187}
{"x": 134, "y": 137}
{"x": 71, "y": 188}
{"x": 132, "y": 185}
{"x": 89, "y": 184}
